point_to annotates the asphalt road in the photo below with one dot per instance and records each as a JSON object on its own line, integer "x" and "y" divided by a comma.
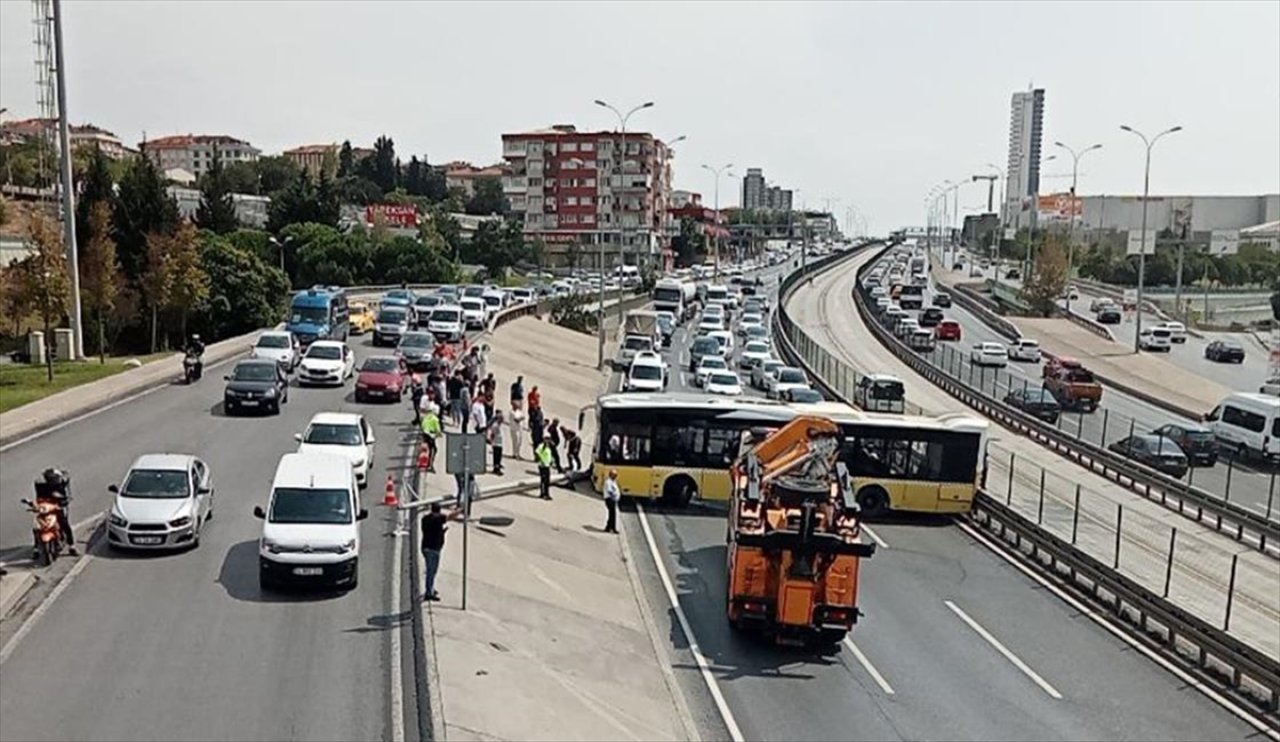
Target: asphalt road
{"x": 1249, "y": 485}
{"x": 184, "y": 645}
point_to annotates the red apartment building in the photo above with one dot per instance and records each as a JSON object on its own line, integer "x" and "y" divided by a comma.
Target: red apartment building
{"x": 578, "y": 187}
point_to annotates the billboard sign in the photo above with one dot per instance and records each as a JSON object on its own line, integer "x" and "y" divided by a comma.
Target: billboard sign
{"x": 1059, "y": 207}
{"x": 403, "y": 216}
{"x": 1136, "y": 242}
{"x": 1224, "y": 242}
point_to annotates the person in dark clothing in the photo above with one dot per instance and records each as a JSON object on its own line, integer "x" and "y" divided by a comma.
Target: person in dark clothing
{"x": 553, "y": 438}
{"x": 537, "y": 425}
{"x": 56, "y": 487}
{"x": 573, "y": 447}
{"x": 416, "y": 392}
{"x": 454, "y": 387}
{"x": 434, "y": 524}
{"x": 517, "y": 393}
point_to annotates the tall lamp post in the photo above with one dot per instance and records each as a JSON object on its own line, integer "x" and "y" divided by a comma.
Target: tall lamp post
{"x": 999, "y": 240}
{"x": 1071, "y": 228}
{"x": 1142, "y": 252}
{"x": 622, "y": 155}
{"x": 716, "y": 171}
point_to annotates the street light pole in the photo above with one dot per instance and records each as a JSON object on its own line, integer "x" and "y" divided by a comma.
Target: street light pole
{"x": 68, "y": 186}
{"x": 1142, "y": 253}
{"x": 716, "y": 171}
{"x": 1071, "y": 226}
{"x": 622, "y": 122}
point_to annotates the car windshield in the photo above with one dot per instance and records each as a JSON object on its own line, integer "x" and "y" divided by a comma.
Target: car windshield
{"x": 381, "y": 365}
{"x": 724, "y": 380}
{"x": 713, "y": 362}
{"x": 493, "y": 301}
{"x": 1200, "y": 436}
{"x": 333, "y": 434}
{"x": 757, "y": 331}
{"x": 416, "y": 340}
{"x": 891, "y": 390}
{"x": 254, "y": 372}
{"x": 157, "y": 483}
{"x": 444, "y": 315}
{"x": 311, "y": 315}
{"x": 771, "y": 367}
{"x": 473, "y": 291}
{"x": 637, "y": 343}
{"x": 646, "y": 371}
{"x": 399, "y": 294}
{"x": 1169, "y": 448}
{"x": 392, "y": 316}
{"x": 1042, "y": 396}
{"x": 756, "y": 348}
{"x": 804, "y": 395}
{"x": 706, "y": 345}
{"x": 791, "y": 376}
{"x": 427, "y": 301}
{"x": 290, "y": 505}
{"x": 274, "y": 341}
{"x": 324, "y": 352}
{"x": 1231, "y": 344}
{"x": 473, "y": 304}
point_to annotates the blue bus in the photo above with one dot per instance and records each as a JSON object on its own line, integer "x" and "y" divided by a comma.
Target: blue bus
{"x": 319, "y": 313}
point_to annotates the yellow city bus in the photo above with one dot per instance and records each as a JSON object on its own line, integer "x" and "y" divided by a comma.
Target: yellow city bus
{"x": 677, "y": 447}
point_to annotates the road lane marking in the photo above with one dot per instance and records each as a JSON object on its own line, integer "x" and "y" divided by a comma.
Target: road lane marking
{"x": 397, "y": 679}
{"x": 870, "y": 668}
{"x": 1002, "y": 649}
{"x": 44, "y": 606}
{"x": 704, "y": 667}
{"x": 883, "y": 544}
{"x": 1106, "y": 623}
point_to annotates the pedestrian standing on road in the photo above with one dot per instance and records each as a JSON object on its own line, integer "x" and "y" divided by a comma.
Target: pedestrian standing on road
{"x": 535, "y": 398}
{"x": 431, "y": 432}
{"x": 454, "y": 390}
{"x": 464, "y": 403}
{"x": 516, "y": 423}
{"x": 416, "y": 392}
{"x": 494, "y": 435}
{"x": 537, "y": 425}
{"x": 573, "y": 446}
{"x": 479, "y": 418}
{"x": 434, "y": 524}
{"x": 553, "y": 437}
{"x": 542, "y": 454}
{"x": 486, "y": 396}
{"x": 517, "y": 393}
{"x": 612, "y": 494}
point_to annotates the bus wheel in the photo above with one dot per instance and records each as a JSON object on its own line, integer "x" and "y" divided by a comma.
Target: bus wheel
{"x": 873, "y": 501}
{"x": 679, "y": 491}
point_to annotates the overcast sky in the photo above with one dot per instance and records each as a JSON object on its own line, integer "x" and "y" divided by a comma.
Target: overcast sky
{"x": 871, "y": 103}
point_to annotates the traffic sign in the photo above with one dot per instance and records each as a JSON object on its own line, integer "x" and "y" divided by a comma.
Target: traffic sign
{"x": 1137, "y": 244}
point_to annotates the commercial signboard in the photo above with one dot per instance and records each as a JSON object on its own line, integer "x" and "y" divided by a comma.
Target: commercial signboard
{"x": 1059, "y": 207}
{"x": 404, "y": 216}
{"x": 1224, "y": 242}
{"x": 1136, "y": 242}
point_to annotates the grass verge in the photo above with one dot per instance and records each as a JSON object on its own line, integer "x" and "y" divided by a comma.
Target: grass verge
{"x": 22, "y": 383}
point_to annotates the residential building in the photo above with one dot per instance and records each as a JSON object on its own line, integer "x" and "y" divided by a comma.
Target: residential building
{"x": 83, "y": 135}
{"x": 1026, "y": 119}
{"x": 195, "y": 152}
{"x": 573, "y": 187}
{"x": 777, "y": 198}
{"x": 251, "y": 210}
{"x": 463, "y": 175}
{"x": 314, "y": 158}
{"x": 753, "y": 189}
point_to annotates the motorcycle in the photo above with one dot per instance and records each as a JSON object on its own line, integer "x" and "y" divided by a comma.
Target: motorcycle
{"x": 192, "y": 367}
{"x": 46, "y": 530}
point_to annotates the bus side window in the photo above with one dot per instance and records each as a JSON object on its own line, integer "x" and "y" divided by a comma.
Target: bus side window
{"x": 627, "y": 444}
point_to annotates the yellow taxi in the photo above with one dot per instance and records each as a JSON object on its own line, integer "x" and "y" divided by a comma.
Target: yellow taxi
{"x": 362, "y": 317}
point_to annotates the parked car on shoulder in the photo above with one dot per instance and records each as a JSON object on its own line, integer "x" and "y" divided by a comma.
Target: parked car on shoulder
{"x": 1225, "y": 351}
{"x": 1195, "y": 440}
{"x": 1157, "y": 452}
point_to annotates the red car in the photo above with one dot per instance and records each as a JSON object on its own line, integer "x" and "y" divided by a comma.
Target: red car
{"x": 382, "y": 377}
{"x": 948, "y": 329}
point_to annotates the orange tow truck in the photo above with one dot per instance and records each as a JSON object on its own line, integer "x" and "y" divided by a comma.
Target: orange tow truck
{"x": 794, "y": 537}
{"x": 1072, "y": 384}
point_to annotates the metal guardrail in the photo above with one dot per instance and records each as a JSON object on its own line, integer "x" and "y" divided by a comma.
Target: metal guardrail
{"x": 1173, "y": 632}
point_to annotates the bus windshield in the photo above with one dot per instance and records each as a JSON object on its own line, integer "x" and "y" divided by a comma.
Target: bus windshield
{"x": 311, "y": 315}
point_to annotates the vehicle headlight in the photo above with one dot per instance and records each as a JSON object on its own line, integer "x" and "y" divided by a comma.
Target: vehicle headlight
{"x": 357, "y": 463}
{"x": 117, "y": 520}
{"x": 180, "y": 522}
{"x": 349, "y": 546}
{"x": 269, "y": 545}
{"x": 361, "y": 385}
{"x": 270, "y": 392}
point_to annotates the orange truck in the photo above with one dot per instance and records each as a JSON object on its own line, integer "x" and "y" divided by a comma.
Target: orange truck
{"x": 1072, "y": 384}
{"x": 794, "y": 537}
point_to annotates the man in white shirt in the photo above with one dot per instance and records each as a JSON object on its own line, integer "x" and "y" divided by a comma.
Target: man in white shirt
{"x": 612, "y": 493}
{"x": 479, "y": 421}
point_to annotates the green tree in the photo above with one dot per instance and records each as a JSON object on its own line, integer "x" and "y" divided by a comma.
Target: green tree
{"x": 143, "y": 207}
{"x": 156, "y": 280}
{"x": 1048, "y": 276}
{"x": 96, "y": 186}
{"x": 245, "y": 292}
{"x": 217, "y": 210}
{"x": 357, "y": 190}
{"x": 382, "y": 167}
{"x": 346, "y": 160}
{"x": 102, "y": 280}
{"x": 415, "y": 177}
{"x": 498, "y": 245}
{"x": 488, "y": 198}
{"x": 304, "y": 202}
{"x": 189, "y": 284}
{"x": 275, "y": 172}
{"x": 43, "y": 277}
{"x": 449, "y": 229}
{"x": 690, "y": 244}
{"x": 14, "y": 301}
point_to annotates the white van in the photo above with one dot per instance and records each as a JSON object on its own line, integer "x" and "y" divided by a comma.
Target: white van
{"x": 1156, "y": 338}
{"x": 446, "y": 323}
{"x": 1248, "y": 425}
{"x": 310, "y": 530}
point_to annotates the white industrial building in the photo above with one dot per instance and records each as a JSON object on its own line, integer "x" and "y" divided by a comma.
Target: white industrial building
{"x": 1194, "y": 216}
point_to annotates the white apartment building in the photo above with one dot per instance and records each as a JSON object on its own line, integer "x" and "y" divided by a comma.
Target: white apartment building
{"x": 195, "y": 152}
{"x": 1026, "y": 118}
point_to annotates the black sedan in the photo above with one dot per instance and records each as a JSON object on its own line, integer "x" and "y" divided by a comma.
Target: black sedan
{"x": 1196, "y": 441}
{"x": 1157, "y": 452}
{"x": 1225, "y": 351}
{"x": 1039, "y": 402}
{"x": 1109, "y": 316}
{"x": 941, "y": 299}
{"x": 931, "y": 317}
{"x": 255, "y": 385}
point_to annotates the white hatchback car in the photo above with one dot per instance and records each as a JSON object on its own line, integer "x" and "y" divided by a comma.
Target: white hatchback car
{"x": 343, "y": 434}
{"x": 280, "y": 346}
{"x": 707, "y": 366}
{"x": 710, "y": 324}
{"x": 327, "y": 362}
{"x": 754, "y": 352}
{"x": 989, "y": 354}
{"x": 1177, "y": 331}
{"x": 1025, "y": 349}
{"x": 724, "y": 382}
{"x": 163, "y": 503}
{"x": 787, "y": 377}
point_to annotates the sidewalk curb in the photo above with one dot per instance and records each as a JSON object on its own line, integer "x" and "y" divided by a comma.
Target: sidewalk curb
{"x": 24, "y": 580}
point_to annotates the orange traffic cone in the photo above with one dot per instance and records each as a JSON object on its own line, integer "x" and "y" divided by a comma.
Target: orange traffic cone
{"x": 390, "y": 498}
{"x": 424, "y": 460}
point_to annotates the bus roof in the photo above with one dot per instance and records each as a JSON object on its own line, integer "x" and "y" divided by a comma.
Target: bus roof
{"x": 769, "y": 410}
